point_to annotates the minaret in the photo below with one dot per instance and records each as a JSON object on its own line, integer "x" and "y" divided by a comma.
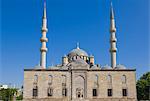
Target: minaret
{"x": 44, "y": 39}
{"x": 113, "y": 39}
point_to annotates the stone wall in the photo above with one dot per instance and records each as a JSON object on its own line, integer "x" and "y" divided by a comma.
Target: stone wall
{"x": 89, "y": 79}
{"x": 116, "y": 85}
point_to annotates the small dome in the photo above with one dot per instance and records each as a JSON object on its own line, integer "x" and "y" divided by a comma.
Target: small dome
{"x": 78, "y": 52}
{"x": 106, "y": 67}
{"x": 120, "y": 67}
{"x": 37, "y": 67}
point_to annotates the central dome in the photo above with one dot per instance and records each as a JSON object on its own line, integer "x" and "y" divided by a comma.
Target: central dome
{"x": 78, "y": 52}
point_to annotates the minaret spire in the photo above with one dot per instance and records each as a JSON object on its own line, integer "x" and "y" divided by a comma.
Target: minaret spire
{"x": 111, "y": 11}
{"x": 44, "y": 15}
{"x": 113, "y": 40}
{"x": 44, "y": 38}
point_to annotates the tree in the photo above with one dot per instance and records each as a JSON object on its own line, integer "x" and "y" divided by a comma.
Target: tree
{"x": 7, "y": 94}
{"x": 143, "y": 87}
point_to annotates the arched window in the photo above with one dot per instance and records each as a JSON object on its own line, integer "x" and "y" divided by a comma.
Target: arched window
{"x": 64, "y": 92}
{"x": 109, "y": 78}
{"x": 35, "y": 78}
{"x": 123, "y": 79}
{"x": 50, "y": 79}
{"x": 96, "y": 78}
{"x": 49, "y": 91}
{"x": 35, "y": 91}
{"x": 64, "y": 80}
{"x": 95, "y": 81}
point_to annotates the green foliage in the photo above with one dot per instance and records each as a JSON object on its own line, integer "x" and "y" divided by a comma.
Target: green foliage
{"x": 143, "y": 87}
{"x": 20, "y": 97}
{"x": 7, "y": 94}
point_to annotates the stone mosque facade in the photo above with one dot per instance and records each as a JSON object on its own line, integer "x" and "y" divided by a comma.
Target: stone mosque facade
{"x": 78, "y": 78}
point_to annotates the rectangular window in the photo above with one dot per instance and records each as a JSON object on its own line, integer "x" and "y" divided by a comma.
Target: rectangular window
{"x": 109, "y": 92}
{"x": 94, "y": 92}
{"x": 50, "y": 92}
{"x": 35, "y": 92}
{"x": 64, "y": 92}
{"x": 124, "y": 92}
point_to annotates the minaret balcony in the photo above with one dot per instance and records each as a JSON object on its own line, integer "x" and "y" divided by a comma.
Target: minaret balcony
{"x": 113, "y": 40}
{"x": 43, "y": 49}
{"x": 113, "y": 50}
{"x": 112, "y": 30}
{"x": 44, "y": 29}
{"x": 44, "y": 39}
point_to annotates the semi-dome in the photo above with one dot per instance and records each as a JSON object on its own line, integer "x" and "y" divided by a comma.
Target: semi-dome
{"x": 80, "y": 61}
{"x": 120, "y": 67}
{"x": 78, "y": 51}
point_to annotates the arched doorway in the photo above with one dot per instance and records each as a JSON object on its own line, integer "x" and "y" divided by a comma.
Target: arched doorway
{"x": 80, "y": 87}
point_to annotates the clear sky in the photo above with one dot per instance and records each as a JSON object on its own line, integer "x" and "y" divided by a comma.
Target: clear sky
{"x": 69, "y": 22}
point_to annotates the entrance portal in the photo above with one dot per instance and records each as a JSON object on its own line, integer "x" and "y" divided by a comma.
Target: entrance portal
{"x": 79, "y": 87}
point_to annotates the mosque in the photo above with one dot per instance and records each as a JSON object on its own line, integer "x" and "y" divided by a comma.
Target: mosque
{"x": 78, "y": 78}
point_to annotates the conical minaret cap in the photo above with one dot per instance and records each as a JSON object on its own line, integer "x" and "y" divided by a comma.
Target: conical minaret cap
{"x": 111, "y": 11}
{"x": 44, "y": 21}
{"x": 112, "y": 20}
{"x": 44, "y": 13}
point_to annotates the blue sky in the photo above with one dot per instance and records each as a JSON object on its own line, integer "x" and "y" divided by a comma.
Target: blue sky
{"x": 69, "y": 22}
